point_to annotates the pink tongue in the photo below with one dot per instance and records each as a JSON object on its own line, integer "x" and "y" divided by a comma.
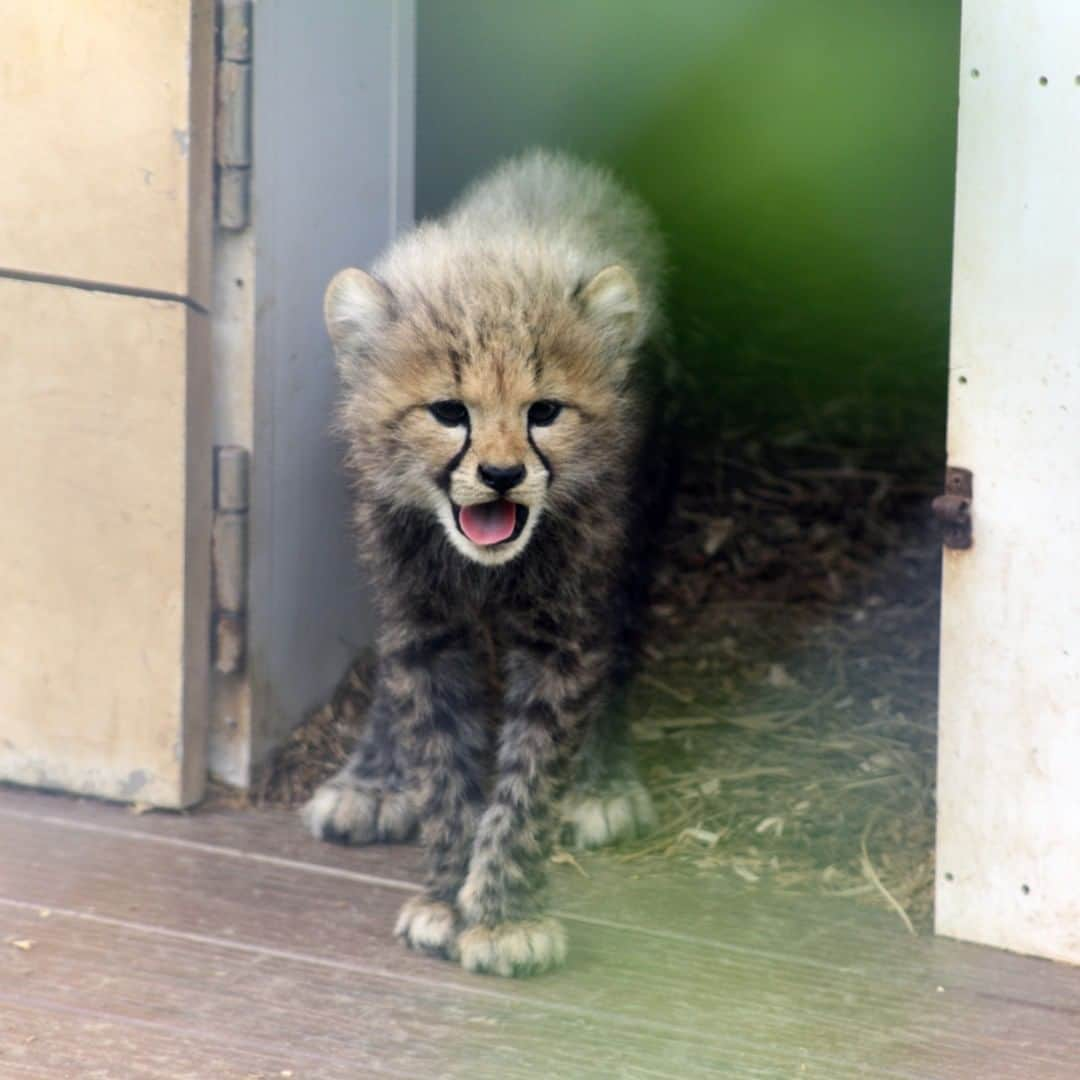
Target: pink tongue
{"x": 488, "y": 523}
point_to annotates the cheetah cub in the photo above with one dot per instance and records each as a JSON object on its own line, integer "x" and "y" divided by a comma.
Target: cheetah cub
{"x": 493, "y": 438}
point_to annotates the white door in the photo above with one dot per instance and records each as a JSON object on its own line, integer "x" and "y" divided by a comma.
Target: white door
{"x": 1008, "y": 860}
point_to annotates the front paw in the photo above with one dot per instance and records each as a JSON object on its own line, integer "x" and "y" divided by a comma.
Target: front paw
{"x": 513, "y": 949}
{"x": 429, "y": 926}
{"x": 609, "y": 816}
{"x": 353, "y": 810}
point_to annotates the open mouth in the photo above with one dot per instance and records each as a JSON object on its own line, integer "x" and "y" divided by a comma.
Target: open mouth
{"x": 491, "y": 523}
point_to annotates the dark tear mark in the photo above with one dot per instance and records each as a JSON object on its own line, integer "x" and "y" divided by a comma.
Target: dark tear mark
{"x": 443, "y": 479}
{"x": 543, "y": 458}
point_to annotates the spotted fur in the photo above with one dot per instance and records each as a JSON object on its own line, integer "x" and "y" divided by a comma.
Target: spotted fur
{"x": 499, "y": 663}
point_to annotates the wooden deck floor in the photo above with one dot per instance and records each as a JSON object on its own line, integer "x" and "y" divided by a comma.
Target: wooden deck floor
{"x": 222, "y": 945}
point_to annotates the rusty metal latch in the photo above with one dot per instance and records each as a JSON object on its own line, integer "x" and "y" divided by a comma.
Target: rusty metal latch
{"x": 953, "y": 509}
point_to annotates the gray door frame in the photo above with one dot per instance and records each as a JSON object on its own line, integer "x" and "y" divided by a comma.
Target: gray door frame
{"x": 332, "y": 184}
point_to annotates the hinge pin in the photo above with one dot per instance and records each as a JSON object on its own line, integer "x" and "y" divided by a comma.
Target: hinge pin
{"x": 233, "y": 134}
{"x": 230, "y": 547}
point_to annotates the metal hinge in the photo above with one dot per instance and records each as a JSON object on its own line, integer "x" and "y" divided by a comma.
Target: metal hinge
{"x": 232, "y": 136}
{"x": 230, "y": 558}
{"x": 953, "y": 509}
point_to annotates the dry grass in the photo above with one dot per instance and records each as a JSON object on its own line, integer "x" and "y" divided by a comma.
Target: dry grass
{"x": 785, "y": 715}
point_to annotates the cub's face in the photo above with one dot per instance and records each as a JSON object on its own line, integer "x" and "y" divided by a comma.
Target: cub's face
{"x": 489, "y": 414}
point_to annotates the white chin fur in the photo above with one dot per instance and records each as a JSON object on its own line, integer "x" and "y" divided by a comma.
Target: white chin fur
{"x": 495, "y": 555}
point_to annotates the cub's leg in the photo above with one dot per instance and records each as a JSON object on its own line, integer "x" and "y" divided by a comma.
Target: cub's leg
{"x": 372, "y": 798}
{"x": 551, "y": 690}
{"x": 441, "y": 696}
{"x": 607, "y": 802}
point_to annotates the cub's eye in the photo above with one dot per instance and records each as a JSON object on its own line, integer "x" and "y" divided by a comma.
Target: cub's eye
{"x": 450, "y": 413}
{"x": 542, "y": 413}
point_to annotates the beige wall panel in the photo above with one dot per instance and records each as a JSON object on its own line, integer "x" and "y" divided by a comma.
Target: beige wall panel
{"x": 106, "y": 122}
{"x": 103, "y": 543}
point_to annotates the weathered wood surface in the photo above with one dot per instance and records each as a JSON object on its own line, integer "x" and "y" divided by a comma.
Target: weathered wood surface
{"x": 229, "y": 944}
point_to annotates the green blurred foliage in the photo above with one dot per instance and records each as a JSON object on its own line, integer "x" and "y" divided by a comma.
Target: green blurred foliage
{"x": 799, "y": 153}
{"x": 804, "y": 178}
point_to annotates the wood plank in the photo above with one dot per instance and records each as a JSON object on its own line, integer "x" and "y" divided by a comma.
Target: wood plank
{"x": 322, "y": 919}
{"x": 818, "y": 992}
{"x": 104, "y": 545}
{"x": 656, "y": 900}
{"x": 256, "y": 1011}
{"x": 43, "y": 1041}
{"x": 1008, "y": 809}
{"x": 107, "y": 126}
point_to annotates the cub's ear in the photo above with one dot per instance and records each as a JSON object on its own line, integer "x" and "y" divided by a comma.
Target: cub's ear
{"x": 357, "y": 308}
{"x": 612, "y": 304}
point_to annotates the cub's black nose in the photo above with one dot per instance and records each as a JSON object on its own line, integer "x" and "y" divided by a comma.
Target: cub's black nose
{"x": 502, "y": 478}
